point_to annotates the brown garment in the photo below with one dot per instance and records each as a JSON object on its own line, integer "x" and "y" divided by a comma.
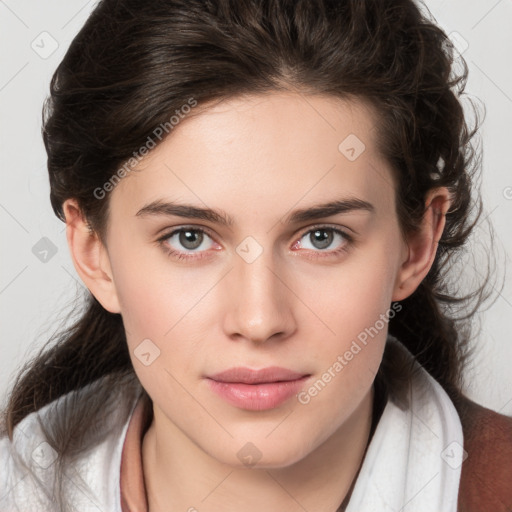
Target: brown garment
{"x": 133, "y": 488}
{"x": 486, "y": 477}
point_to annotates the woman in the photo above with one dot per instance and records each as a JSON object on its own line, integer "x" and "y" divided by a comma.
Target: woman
{"x": 262, "y": 198}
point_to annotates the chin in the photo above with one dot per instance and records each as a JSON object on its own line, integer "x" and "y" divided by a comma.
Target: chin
{"x": 262, "y": 454}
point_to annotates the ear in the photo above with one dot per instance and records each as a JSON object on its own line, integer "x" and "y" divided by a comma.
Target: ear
{"x": 422, "y": 244}
{"x": 90, "y": 257}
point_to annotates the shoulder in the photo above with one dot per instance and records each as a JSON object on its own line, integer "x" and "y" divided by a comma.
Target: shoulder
{"x": 36, "y": 462}
{"x": 487, "y": 471}
{"x": 27, "y": 467}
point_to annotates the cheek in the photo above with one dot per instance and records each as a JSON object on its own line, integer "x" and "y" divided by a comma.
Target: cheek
{"x": 158, "y": 311}
{"x": 352, "y": 295}
{"x": 154, "y": 299}
{"x": 153, "y": 292}
{"x": 356, "y": 306}
{"x": 353, "y": 302}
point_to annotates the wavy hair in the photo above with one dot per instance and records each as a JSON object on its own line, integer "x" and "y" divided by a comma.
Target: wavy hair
{"x": 134, "y": 63}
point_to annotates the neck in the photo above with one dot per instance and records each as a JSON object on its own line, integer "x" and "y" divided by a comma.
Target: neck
{"x": 179, "y": 475}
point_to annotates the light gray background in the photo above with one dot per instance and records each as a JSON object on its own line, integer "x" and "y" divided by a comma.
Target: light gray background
{"x": 35, "y": 295}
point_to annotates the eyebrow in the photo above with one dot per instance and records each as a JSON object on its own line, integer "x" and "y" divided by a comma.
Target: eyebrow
{"x": 166, "y": 208}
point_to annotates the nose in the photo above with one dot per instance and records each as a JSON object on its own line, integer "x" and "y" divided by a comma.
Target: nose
{"x": 260, "y": 305}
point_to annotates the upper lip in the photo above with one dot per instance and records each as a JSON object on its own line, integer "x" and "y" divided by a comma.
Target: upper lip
{"x": 249, "y": 376}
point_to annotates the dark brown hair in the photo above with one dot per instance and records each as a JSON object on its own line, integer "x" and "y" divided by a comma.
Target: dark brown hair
{"x": 134, "y": 63}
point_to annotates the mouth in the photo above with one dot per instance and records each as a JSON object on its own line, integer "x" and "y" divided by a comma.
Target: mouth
{"x": 257, "y": 390}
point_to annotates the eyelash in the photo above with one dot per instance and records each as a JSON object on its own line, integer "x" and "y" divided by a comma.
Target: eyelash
{"x": 192, "y": 256}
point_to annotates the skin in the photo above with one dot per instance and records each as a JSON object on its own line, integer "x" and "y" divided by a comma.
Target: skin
{"x": 297, "y": 305}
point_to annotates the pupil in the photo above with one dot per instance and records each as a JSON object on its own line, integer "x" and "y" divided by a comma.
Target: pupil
{"x": 323, "y": 238}
{"x": 187, "y": 239}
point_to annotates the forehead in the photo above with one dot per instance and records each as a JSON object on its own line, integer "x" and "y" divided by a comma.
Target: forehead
{"x": 263, "y": 151}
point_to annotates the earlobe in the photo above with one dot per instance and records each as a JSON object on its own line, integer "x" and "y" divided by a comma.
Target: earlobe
{"x": 90, "y": 257}
{"x": 422, "y": 245}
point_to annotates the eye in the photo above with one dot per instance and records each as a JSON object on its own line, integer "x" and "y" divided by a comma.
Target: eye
{"x": 322, "y": 237}
{"x": 186, "y": 241}
{"x": 194, "y": 243}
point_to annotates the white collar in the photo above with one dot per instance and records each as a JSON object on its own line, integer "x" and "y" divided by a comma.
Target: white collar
{"x": 413, "y": 462}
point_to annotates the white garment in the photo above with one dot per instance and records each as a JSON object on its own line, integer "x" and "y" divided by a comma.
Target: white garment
{"x": 93, "y": 481}
{"x": 412, "y": 464}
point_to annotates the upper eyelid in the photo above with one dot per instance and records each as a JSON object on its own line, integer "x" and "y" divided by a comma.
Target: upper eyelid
{"x": 178, "y": 229}
{"x": 338, "y": 229}
{"x": 327, "y": 226}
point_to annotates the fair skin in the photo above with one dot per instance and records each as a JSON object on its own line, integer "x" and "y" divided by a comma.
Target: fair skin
{"x": 297, "y": 305}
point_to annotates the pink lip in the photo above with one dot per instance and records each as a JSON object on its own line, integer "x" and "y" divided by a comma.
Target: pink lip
{"x": 257, "y": 390}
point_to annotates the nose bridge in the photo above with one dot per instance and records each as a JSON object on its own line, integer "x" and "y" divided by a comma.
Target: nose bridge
{"x": 259, "y": 305}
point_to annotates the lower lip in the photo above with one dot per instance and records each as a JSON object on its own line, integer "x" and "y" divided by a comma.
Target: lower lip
{"x": 257, "y": 397}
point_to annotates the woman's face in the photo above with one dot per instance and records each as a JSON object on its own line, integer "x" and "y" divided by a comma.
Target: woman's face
{"x": 262, "y": 275}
